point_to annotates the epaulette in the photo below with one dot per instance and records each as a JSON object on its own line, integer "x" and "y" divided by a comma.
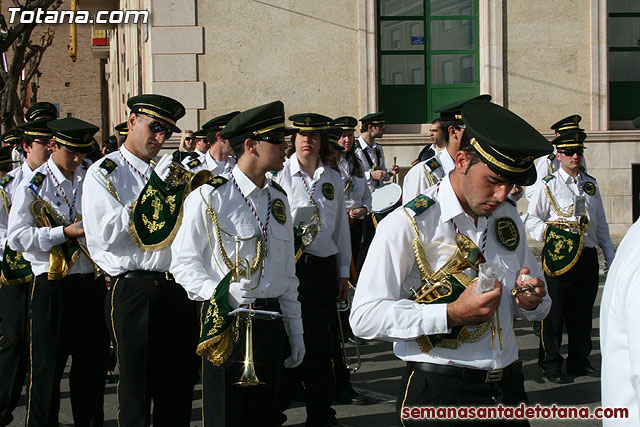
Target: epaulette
{"x": 217, "y": 181}
{"x": 585, "y": 174}
{"x": 420, "y": 204}
{"x": 84, "y": 165}
{"x": 433, "y": 164}
{"x": 194, "y": 163}
{"x": 581, "y": 169}
{"x": 193, "y": 155}
{"x": 108, "y": 165}
{"x": 511, "y": 201}
{"x": 278, "y": 187}
{"x": 38, "y": 179}
{"x": 551, "y": 156}
{"x": 5, "y": 180}
{"x": 548, "y": 178}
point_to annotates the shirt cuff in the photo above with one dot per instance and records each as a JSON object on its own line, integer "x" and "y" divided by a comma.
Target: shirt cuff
{"x": 57, "y": 235}
{"x": 293, "y": 326}
{"x": 343, "y": 272}
{"x": 434, "y": 319}
{"x": 207, "y": 290}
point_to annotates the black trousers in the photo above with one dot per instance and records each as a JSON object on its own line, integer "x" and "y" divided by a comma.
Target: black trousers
{"x": 14, "y": 347}
{"x": 422, "y": 389}
{"x": 368, "y": 231}
{"x": 572, "y": 297}
{"x": 227, "y": 404}
{"x": 317, "y": 295}
{"x": 155, "y": 329}
{"x": 67, "y": 319}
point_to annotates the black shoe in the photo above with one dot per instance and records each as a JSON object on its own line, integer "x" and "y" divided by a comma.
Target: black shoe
{"x": 556, "y": 377}
{"x": 349, "y": 396}
{"x": 589, "y": 371}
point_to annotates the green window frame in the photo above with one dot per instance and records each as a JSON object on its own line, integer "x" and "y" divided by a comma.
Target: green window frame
{"x": 624, "y": 85}
{"x": 450, "y": 68}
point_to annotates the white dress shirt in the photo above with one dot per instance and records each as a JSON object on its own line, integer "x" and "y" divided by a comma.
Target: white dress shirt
{"x": 23, "y": 171}
{"x": 219, "y": 167}
{"x": 65, "y": 197}
{"x": 417, "y": 179}
{"x": 563, "y": 188}
{"x": 381, "y": 309}
{"x": 376, "y": 155}
{"x": 106, "y": 220}
{"x": 619, "y": 332}
{"x": 358, "y": 194}
{"x": 333, "y": 238}
{"x": 197, "y": 263}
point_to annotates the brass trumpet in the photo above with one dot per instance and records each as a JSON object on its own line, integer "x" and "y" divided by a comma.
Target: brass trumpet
{"x": 248, "y": 377}
{"x": 440, "y": 284}
{"x": 179, "y": 175}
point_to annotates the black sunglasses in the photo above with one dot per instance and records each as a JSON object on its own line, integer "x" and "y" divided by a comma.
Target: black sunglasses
{"x": 190, "y": 138}
{"x": 571, "y": 151}
{"x": 272, "y": 139}
{"x": 157, "y": 127}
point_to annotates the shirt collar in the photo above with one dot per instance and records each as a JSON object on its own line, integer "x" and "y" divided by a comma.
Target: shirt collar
{"x": 137, "y": 162}
{"x": 295, "y": 167}
{"x": 449, "y": 204}
{"x": 60, "y": 176}
{"x": 566, "y": 177}
{"x": 364, "y": 145}
{"x": 246, "y": 185}
{"x": 26, "y": 169}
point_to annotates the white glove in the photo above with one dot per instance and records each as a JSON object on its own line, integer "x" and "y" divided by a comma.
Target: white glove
{"x": 162, "y": 168}
{"x": 240, "y": 293}
{"x": 296, "y": 342}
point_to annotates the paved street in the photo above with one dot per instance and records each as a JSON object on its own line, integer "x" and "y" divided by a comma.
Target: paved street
{"x": 380, "y": 376}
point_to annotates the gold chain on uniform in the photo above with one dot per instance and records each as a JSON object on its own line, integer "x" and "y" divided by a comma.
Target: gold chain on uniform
{"x": 257, "y": 262}
{"x": 565, "y": 213}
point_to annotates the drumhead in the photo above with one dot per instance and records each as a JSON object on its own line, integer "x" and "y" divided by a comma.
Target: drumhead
{"x": 386, "y": 197}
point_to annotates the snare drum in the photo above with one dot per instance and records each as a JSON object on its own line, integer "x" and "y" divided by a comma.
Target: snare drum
{"x": 385, "y": 199}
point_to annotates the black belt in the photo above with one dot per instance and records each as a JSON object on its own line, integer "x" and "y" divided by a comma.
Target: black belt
{"x": 470, "y": 374}
{"x": 312, "y": 259}
{"x": 266, "y": 302}
{"x": 68, "y": 276}
{"x": 148, "y": 275}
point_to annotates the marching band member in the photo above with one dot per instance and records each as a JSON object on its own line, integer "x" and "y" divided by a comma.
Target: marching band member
{"x": 219, "y": 157}
{"x": 371, "y": 155}
{"x": 67, "y": 298}
{"x": 131, "y": 215}
{"x": 566, "y": 213}
{"x": 428, "y": 172}
{"x": 460, "y": 349}
{"x": 16, "y": 273}
{"x": 242, "y": 214}
{"x": 323, "y": 268}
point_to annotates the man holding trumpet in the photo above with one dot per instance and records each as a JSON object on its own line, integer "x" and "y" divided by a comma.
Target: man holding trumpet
{"x": 455, "y": 332}
{"x": 67, "y": 296}
{"x": 237, "y": 233}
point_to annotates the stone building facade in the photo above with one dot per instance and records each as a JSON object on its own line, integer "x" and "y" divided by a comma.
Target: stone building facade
{"x": 542, "y": 59}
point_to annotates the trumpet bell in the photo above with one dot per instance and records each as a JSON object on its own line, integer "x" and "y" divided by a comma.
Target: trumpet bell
{"x": 248, "y": 377}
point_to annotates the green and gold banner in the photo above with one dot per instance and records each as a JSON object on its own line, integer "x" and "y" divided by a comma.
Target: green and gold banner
{"x": 216, "y": 333}
{"x": 15, "y": 269}
{"x": 561, "y": 251}
{"x": 157, "y": 214}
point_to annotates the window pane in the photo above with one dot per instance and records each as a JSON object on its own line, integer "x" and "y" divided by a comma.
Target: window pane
{"x": 451, "y": 7}
{"x": 452, "y": 68}
{"x": 621, "y": 6}
{"x": 624, "y": 66}
{"x": 401, "y": 7}
{"x": 450, "y": 34}
{"x": 624, "y": 32}
{"x": 402, "y": 69}
{"x": 402, "y": 35}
